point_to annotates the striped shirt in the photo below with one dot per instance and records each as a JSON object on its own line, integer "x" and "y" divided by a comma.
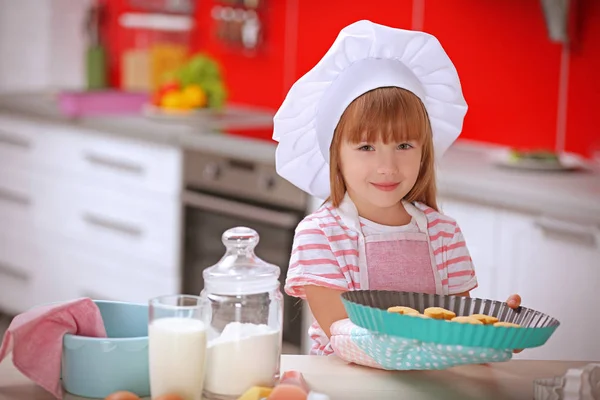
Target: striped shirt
{"x": 326, "y": 253}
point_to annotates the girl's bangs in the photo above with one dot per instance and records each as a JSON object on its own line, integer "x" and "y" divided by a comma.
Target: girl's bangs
{"x": 390, "y": 115}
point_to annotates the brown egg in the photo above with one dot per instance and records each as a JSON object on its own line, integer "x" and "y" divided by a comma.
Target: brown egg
{"x": 122, "y": 395}
{"x": 287, "y": 392}
{"x": 169, "y": 396}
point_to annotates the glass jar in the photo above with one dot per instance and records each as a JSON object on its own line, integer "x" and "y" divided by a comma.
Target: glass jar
{"x": 176, "y": 346}
{"x": 153, "y": 46}
{"x": 243, "y": 312}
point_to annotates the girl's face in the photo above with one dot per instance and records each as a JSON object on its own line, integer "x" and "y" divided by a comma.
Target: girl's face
{"x": 378, "y": 174}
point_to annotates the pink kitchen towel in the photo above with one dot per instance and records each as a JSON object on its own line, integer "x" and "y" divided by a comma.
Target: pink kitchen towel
{"x": 35, "y": 338}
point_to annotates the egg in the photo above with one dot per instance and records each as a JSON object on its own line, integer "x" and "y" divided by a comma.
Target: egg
{"x": 169, "y": 396}
{"x": 122, "y": 395}
{"x": 286, "y": 391}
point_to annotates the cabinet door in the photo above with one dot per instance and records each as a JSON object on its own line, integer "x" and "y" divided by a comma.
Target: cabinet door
{"x": 478, "y": 225}
{"x": 146, "y": 228}
{"x": 555, "y": 268}
{"x": 18, "y": 274}
{"x": 75, "y": 273}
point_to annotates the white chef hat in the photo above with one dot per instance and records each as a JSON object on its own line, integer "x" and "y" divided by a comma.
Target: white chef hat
{"x": 364, "y": 56}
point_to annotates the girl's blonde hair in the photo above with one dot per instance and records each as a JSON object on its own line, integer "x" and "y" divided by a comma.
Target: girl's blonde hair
{"x": 393, "y": 115}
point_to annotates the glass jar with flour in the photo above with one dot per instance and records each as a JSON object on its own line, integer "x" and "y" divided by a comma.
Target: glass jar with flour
{"x": 243, "y": 312}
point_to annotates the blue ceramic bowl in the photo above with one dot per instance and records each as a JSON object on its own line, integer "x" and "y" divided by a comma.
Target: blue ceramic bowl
{"x": 97, "y": 367}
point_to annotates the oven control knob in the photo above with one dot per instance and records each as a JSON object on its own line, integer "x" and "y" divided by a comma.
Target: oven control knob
{"x": 212, "y": 171}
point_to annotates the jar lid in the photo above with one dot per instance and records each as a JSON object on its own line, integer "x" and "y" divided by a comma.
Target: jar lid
{"x": 240, "y": 271}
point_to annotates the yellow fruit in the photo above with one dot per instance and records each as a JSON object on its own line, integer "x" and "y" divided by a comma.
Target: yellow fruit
{"x": 174, "y": 100}
{"x": 195, "y": 96}
{"x": 256, "y": 392}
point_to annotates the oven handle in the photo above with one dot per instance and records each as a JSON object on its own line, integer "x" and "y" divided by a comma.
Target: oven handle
{"x": 241, "y": 210}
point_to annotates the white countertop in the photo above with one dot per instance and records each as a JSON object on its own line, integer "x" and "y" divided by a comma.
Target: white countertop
{"x": 468, "y": 172}
{"x": 189, "y": 135}
{"x": 332, "y": 376}
{"x": 465, "y": 172}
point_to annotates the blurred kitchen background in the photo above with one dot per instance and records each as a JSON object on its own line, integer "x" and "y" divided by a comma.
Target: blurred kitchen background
{"x": 133, "y": 133}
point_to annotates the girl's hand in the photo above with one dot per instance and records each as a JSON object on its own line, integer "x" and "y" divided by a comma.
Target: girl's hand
{"x": 514, "y": 301}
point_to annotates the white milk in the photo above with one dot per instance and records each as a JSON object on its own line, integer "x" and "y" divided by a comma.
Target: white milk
{"x": 245, "y": 355}
{"x": 177, "y": 353}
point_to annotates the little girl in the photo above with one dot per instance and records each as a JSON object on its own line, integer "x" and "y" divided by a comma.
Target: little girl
{"x": 362, "y": 130}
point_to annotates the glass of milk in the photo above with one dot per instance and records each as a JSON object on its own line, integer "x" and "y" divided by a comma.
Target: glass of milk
{"x": 177, "y": 346}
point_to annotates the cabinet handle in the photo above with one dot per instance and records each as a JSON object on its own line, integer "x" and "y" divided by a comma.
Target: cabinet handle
{"x": 15, "y": 198}
{"x": 573, "y": 232}
{"x": 9, "y": 139}
{"x": 14, "y": 273}
{"x": 116, "y": 226}
{"x": 112, "y": 163}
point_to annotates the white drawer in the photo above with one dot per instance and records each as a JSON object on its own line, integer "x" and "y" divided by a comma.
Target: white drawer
{"x": 18, "y": 141}
{"x": 148, "y": 230}
{"x": 92, "y": 275}
{"x": 43, "y": 269}
{"x": 126, "y": 165}
{"x": 93, "y": 217}
{"x": 20, "y": 261}
{"x": 17, "y": 201}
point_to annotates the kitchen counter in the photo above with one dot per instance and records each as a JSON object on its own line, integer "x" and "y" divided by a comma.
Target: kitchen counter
{"x": 330, "y": 375}
{"x": 466, "y": 171}
{"x": 189, "y": 135}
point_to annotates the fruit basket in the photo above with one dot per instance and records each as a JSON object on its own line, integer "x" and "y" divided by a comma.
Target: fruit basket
{"x": 195, "y": 90}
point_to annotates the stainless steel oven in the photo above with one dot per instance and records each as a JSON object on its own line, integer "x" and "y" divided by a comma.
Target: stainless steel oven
{"x": 223, "y": 192}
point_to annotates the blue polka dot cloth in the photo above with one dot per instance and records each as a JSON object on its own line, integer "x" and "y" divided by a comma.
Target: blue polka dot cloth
{"x": 358, "y": 345}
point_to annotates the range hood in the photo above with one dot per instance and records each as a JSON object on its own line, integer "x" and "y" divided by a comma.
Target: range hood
{"x": 556, "y": 13}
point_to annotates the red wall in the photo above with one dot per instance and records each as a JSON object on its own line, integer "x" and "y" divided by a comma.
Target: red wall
{"x": 583, "y": 131}
{"x": 509, "y": 68}
{"x": 319, "y": 23}
{"x": 255, "y": 79}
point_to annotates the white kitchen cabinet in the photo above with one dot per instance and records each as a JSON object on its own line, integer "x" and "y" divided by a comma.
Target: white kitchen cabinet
{"x": 555, "y": 267}
{"x": 126, "y": 165}
{"x": 85, "y": 214}
{"x": 129, "y": 166}
{"x": 146, "y": 228}
{"x": 18, "y": 274}
{"x": 29, "y": 273}
{"x": 103, "y": 277}
{"x": 479, "y": 225}
{"x": 52, "y": 268}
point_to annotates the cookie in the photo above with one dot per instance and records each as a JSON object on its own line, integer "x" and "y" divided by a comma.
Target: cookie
{"x": 507, "y": 324}
{"x": 403, "y": 310}
{"x": 439, "y": 313}
{"x": 486, "y": 319}
{"x": 467, "y": 320}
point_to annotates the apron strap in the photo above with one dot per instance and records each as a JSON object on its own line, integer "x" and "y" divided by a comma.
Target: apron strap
{"x": 418, "y": 215}
{"x": 349, "y": 214}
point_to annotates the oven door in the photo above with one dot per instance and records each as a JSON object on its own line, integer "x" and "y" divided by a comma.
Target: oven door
{"x": 207, "y": 216}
